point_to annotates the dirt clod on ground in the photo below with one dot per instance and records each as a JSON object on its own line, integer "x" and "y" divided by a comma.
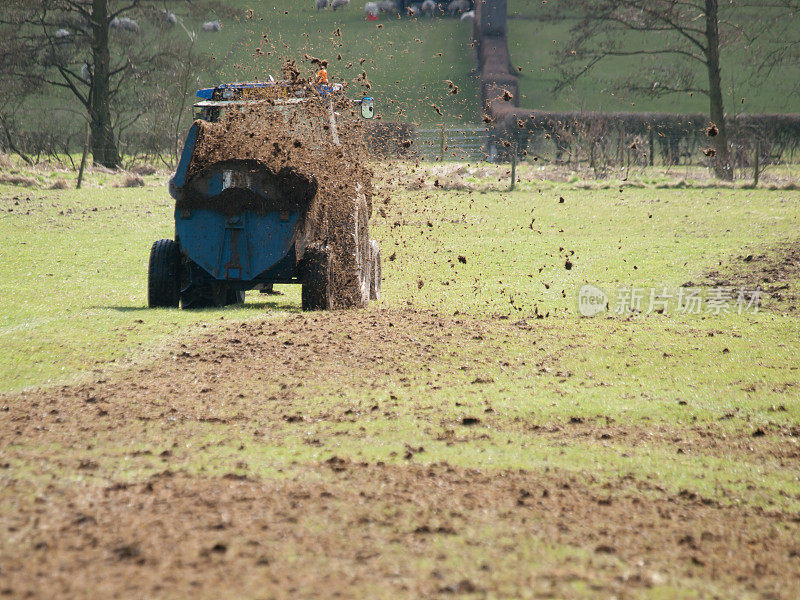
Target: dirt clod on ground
{"x": 773, "y": 273}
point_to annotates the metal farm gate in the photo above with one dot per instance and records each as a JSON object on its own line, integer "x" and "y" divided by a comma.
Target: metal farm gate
{"x": 451, "y": 143}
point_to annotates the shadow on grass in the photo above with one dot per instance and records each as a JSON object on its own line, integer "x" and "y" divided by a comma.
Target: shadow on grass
{"x": 273, "y": 305}
{"x": 276, "y": 305}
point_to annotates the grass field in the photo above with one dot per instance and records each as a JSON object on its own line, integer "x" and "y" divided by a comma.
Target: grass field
{"x": 472, "y": 433}
{"x": 406, "y": 69}
{"x": 407, "y": 61}
{"x": 533, "y": 39}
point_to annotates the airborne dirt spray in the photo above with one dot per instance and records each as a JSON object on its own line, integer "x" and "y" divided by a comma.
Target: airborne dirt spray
{"x": 313, "y": 145}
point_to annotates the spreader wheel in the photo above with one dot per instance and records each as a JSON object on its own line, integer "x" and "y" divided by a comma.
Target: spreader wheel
{"x": 199, "y": 290}
{"x": 375, "y": 271}
{"x": 163, "y": 275}
{"x": 316, "y": 279}
{"x": 350, "y": 256}
{"x": 234, "y": 297}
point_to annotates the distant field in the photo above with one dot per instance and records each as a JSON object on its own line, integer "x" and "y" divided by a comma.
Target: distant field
{"x": 406, "y": 61}
{"x": 532, "y": 40}
{"x": 409, "y": 62}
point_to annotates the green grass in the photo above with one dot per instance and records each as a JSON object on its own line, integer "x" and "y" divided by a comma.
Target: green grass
{"x": 401, "y": 56}
{"x": 407, "y": 62}
{"x": 84, "y": 304}
{"x": 678, "y": 395}
{"x": 533, "y": 39}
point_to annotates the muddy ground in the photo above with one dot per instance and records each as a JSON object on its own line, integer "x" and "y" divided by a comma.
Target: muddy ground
{"x": 775, "y": 273}
{"x": 102, "y": 497}
{"x": 345, "y": 529}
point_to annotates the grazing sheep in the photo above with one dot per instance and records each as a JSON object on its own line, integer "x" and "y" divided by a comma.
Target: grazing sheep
{"x": 339, "y": 4}
{"x": 468, "y": 16}
{"x": 62, "y": 35}
{"x": 78, "y": 21}
{"x": 457, "y": 6}
{"x": 211, "y": 26}
{"x": 371, "y": 8}
{"x": 321, "y": 4}
{"x": 168, "y": 18}
{"x": 387, "y": 6}
{"x": 130, "y": 25}
{"x": 124, "y": 24}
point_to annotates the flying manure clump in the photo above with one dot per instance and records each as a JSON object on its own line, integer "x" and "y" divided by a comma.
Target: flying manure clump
{"x": 311, "y": 161}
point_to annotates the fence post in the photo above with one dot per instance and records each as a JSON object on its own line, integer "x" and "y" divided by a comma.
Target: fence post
{"x": 513, "y": 164}
{"x": 756, "y": 166}
{"x": 441, "y": 145}
{"x": 83, "y": 158}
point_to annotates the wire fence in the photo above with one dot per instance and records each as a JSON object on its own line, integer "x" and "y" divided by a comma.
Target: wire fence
{"x": 616, "y": 148}
{"x": 451, "y": 143}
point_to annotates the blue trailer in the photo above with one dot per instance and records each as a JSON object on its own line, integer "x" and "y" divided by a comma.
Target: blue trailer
{"x": 217, "y": 254}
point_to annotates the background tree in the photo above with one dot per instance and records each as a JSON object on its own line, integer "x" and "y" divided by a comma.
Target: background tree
{"x": 112, "y": 57}
{"x": 670, "y": 39}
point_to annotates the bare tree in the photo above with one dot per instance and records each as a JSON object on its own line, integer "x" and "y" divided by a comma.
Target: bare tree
{"x": 79, "y": 47}
{"x": 12, "y": 102}
{"x": 678, "y": 36}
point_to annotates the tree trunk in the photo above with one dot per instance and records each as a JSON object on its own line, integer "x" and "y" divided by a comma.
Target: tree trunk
{"x": 756, "y": 165}
{"x": 722, "y": 162}
{"x": 104, "y": 148}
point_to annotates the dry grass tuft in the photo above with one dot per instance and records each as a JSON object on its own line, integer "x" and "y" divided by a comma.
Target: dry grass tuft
{"x": 143, "y": 169}
{"x": 132, "y": 180}
{"x": 17, "y": 179}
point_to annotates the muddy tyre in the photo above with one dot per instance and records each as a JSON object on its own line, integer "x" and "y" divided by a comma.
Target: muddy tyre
{"x": 234, "y": 297}
{"x": 316, "y": 279}
{"x": 350, "y": 256}
{"x": 199, "y": 289}
{"x": 163, "y": 275}
{"x": 375, "y": 271}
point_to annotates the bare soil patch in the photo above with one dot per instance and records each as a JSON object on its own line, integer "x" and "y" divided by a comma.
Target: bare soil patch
{"x": 265, "y": 375}
{"x": 344, "y": 529}
{"x": 776, "y": 272}
{"x": 218, "y": 376}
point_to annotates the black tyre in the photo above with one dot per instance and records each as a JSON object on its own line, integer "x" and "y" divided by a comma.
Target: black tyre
{"x": 350, "y": 257}
{"x": 375, "y": 271}
{"x": 234, "y": 297}
{"x": 199, "y": 289}
{"x": 164, "y": 275}
{"x": 316, "y": 279}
